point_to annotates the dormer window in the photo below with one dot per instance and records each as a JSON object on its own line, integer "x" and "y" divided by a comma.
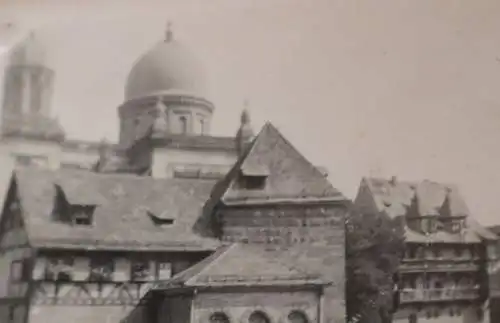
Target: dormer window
{"x": 456, "y": 227}
{"x": 253, "y": 177}
{"x": 82, "y": 214}
{"x": 184, "y": 124}
{"x": 429, "y": 225}
{"x": 161, "y": 219}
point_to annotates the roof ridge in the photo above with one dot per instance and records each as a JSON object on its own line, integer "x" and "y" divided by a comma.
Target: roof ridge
{"x": 269, "y": 125}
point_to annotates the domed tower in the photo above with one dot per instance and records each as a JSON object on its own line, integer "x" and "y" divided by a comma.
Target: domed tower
{"x": 28, "y": 89}
{"x": 167, "y": 82}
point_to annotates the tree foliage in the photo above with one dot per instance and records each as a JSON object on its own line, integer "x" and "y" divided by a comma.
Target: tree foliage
{"x": 374, "y": 246}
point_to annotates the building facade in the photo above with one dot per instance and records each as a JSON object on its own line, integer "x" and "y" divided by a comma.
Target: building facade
{"x": 445, "y": 274}
{"x": 168, "y": 222}
{"x": 165, "y": 84}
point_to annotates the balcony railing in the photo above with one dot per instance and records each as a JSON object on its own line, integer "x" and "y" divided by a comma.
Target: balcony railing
{"x": 447, "y": 258}
{"x": 442, "y": 294}
{"x": 438, "y": 266}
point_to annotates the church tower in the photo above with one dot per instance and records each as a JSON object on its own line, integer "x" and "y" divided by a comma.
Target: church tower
{"x": 28, "y": 88}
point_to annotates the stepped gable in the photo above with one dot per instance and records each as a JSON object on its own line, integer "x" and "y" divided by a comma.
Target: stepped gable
{"x": 127, "y": 210}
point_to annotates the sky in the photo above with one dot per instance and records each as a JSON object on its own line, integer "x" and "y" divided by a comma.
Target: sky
{"x": 365, "y": 88}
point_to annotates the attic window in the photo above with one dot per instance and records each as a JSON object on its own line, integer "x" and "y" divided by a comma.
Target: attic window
{"x": 253, "y": 177}
{"x": 82, "y": 214}
{"x": 161, "y": 219}
{"x": 252, "y": 182}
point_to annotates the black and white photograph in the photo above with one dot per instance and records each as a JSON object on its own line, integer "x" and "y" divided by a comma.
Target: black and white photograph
{"x": 249, "y": 161}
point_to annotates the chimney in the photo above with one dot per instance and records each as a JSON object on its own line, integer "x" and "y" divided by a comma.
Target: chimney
{"x": 393, "y": 181}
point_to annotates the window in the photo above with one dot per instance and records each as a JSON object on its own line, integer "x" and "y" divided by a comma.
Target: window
{"x": 428, "y": 225}
{"x": 184, "y": 124}
{"x": 252, "y": 182}
{"x": 101, "y": 269}
{"x": 16, "y": 270}
{"x": 297, "y": 317}
{"x": 59, "y": 269}
{"x": 258, "y": 317}
{"x": 82, "y": 214}
{"x": 436, "y": 251}
{"x": 456, "y": 227}
{"x": 23, "y": 160}
{"x": 164, "y": 271}
{"x": 26, "y": 160}
{"x": 12, "y": 312}
{"x": 219, "y": 317}
{"x": 202, "y": 127}
{"x": 140, "y": 270}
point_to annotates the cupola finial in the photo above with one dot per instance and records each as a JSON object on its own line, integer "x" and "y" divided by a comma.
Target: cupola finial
{"x": 169, "y": 36}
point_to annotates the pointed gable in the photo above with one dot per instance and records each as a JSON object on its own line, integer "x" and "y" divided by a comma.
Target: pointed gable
{"x": 272, "y": 169}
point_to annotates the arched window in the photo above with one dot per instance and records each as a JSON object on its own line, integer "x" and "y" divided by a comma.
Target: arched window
{"x": 202, "y": 127}
{"x": 219, "y": 317}
{"x": 297, "y": 317}
{"x": 258, "y": 317}
{"x": 184, "y": 124}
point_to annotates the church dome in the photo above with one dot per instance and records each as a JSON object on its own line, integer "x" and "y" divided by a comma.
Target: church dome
{"x": 168, "y": 68}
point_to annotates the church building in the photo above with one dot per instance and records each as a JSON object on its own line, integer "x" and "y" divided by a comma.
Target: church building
{"x": 170, "y": 223}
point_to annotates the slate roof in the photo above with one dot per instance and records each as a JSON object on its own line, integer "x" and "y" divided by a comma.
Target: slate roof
{"x": 290, "y": 175}
{"x": 243, "y": 265}
{"x": 394, "y": 198}
{"x": 122, "y": 218}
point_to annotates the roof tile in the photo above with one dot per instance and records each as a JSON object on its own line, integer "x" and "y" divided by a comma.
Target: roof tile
{"x": 120, "y": 217}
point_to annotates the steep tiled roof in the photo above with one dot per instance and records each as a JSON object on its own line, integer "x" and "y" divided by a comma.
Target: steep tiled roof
{"x": 124, "y": 205}
{"x": 395, "y": 197}
{"x": 239, "y": 264}
{"x": 290, "y": 175}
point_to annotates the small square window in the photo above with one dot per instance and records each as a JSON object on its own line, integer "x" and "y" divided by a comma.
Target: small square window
{"x": 101, "y": 269}
{"x": 59, "y": 269}
{"x": 140, "y": 270}
{"x": 16, "y": 271}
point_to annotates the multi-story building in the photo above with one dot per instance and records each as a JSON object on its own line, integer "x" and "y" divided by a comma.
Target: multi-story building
{"x": 182, "y": 145}
{"x": 444, "y": 275}
{"x": 85, "y": 246}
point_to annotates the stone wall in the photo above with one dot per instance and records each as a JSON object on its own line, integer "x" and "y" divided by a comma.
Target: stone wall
{"x": 239, "y": 306}
{"x": 312, "y": 236}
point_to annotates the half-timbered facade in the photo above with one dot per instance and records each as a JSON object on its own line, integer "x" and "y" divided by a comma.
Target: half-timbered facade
{"x": 444, "y": 275}
{"x": 81, "y": 246}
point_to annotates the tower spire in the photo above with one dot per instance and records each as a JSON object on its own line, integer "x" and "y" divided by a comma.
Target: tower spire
{"x": 245, "y": 132}
{"x": 169, "y": 36}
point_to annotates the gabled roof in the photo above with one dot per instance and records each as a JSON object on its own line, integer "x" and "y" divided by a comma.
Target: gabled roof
{"x": 122, "y": 215}
{"x": 290, "y": 176}
{"x": 395, "y": 198}
{"x": 243, "y": 265}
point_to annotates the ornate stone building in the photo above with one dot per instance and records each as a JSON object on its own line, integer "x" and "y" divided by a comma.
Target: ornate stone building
{"x": 445, "y": 274}
{"x": 171, "y": 222}
{"x": 164, "y": 87}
